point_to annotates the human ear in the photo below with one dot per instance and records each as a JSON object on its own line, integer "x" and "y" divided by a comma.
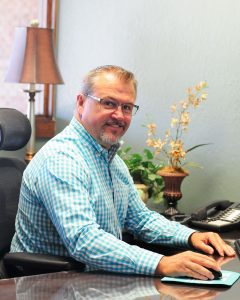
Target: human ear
{"x": 79, "y": 106}
{"x": 80, "y": 102}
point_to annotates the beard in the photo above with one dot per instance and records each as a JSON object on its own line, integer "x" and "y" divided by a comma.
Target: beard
{"x": 109, "y": 138}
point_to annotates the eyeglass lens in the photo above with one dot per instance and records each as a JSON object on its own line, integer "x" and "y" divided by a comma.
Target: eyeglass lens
{"x": 127, "y": 108}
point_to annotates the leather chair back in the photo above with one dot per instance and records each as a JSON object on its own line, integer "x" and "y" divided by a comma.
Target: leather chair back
{"x": 15, "y": 131}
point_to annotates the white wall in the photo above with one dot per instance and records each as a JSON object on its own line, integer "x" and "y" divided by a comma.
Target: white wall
{"x": 169, "y": 45}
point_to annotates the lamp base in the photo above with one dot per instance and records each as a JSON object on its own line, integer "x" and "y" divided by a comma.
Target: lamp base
{"x": 31, "y": 116}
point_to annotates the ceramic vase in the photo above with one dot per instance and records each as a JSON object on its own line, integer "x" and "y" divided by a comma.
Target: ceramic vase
{"x": 143, "y": 191}
{"x": 172, "y": 189}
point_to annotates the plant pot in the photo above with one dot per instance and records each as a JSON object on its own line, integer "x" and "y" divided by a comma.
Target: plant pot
{"x": 172, "y": 188}
{"x": 143, "y": 191}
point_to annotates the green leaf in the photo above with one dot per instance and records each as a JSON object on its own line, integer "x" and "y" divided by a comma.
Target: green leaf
{"x": 136, "y": 156}
{"x": 200, "y": 145}
{"x": 127, "y": 149}
{"x": 158, "y": 198}
{"x": 140, "y": 168}
{"x": 153, "y": 176}
{"x": 148, "y": 154}
{"x": 123, "y": 151}
{"x": 143, "y": 169}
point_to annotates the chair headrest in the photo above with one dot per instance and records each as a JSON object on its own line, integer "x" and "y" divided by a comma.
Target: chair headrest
{"x": 15, "y": 129}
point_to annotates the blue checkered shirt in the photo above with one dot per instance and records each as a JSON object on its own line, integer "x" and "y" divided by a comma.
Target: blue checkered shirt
{"x": 77, "y": 197}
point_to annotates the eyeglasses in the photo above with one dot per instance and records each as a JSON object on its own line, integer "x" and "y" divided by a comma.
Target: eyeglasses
{"x": 110, "y": 104}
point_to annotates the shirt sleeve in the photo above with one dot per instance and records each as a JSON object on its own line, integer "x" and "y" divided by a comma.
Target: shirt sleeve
{"x": 152, "y": 227}
{"x": 64, "y": 191}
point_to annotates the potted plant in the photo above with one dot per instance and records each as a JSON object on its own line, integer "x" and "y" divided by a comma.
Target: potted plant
{"x": 143, "y": 169}
{"x": 172, "y": 146}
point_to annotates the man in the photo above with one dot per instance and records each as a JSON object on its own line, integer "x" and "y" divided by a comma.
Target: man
{"x": 77, "y": 195}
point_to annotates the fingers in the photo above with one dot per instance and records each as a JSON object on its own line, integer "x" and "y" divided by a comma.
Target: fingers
{"x": 197, "y": 266}
{"x": 189, "y": 264}
{"x": 184, "y": 292}
{"x": 222, "y": 248}
{"x": 221, "y": 260}
{"x": 208, "y": 241}
{"x": 205, "y": 247}
{"x": 199, "y": 272}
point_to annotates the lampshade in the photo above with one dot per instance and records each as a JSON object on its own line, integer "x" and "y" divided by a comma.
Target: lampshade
{"x": 32, "y": 59}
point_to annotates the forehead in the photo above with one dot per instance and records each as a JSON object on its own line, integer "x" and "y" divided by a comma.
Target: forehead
{"x": 108, "y": 84}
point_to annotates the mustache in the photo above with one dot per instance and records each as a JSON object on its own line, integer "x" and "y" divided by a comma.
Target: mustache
{"x": 116, "y": 122}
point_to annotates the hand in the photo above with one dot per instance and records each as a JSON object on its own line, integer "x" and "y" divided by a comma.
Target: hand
{"x": 189, "y": 264}
{"x": 222, "y": 260}
{"x": 184, "y": 292}
{"x": 209, "y": 241}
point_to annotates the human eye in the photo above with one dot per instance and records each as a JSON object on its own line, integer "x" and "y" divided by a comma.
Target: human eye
{"x": 127, "y": 107}
{"x": 109, "y": 104}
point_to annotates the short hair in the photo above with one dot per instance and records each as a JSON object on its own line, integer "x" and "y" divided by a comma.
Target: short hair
{"x": 122, "y": 74}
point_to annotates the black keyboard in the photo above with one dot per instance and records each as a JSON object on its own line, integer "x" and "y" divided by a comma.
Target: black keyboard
{"x": 237, "y": 246}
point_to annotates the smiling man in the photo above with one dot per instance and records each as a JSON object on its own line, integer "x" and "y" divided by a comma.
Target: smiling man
{"x": 104, "y": 117}
{"x": 77, "y": 194}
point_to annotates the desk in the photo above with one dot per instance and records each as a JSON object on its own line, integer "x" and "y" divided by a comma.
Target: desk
{"x": 102, "y": 286}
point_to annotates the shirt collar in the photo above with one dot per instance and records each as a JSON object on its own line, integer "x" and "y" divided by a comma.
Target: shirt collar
{"x": 108, "y": 154}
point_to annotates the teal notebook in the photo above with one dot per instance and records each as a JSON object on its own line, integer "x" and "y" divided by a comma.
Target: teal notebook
{"x": 228, "y": 279}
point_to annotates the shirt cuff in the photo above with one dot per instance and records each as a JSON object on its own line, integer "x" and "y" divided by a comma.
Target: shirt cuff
{"x": 147, "y": 262}
{"x": 182, "y": 240}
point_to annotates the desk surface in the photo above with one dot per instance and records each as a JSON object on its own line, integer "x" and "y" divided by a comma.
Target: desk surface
{"x": 73, "y": 285}
{"x": 102, "y": 286}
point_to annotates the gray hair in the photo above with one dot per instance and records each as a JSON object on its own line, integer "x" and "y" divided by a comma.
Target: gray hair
{"x": 122, "y": 74}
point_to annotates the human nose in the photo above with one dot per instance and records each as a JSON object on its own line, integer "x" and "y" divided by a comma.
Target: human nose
{"x": 119, "y": 112}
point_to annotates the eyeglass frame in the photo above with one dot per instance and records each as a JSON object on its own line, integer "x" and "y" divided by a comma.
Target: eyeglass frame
{"x": 136, "y": 107}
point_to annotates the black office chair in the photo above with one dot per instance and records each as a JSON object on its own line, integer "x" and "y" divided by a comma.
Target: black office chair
{"x": 15, "y": 131}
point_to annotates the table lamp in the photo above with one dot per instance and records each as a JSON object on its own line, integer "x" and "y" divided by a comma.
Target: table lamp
{"x": 33, "y": 61}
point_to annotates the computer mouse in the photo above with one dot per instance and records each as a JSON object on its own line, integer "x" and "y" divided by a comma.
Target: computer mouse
{"x": 216, "y": 274}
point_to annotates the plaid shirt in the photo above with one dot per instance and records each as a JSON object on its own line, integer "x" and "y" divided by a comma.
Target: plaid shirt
{"x": 75, "y": 199}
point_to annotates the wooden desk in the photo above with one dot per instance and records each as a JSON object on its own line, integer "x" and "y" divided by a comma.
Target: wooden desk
{"x": 73, "y": 285}
{"x": 102, "y": 286}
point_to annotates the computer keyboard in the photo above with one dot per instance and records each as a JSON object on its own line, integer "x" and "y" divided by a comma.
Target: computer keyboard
{"x": 237, "y": 246}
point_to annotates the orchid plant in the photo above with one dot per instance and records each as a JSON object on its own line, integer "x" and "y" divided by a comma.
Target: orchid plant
{"x": 172, "y": 146}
